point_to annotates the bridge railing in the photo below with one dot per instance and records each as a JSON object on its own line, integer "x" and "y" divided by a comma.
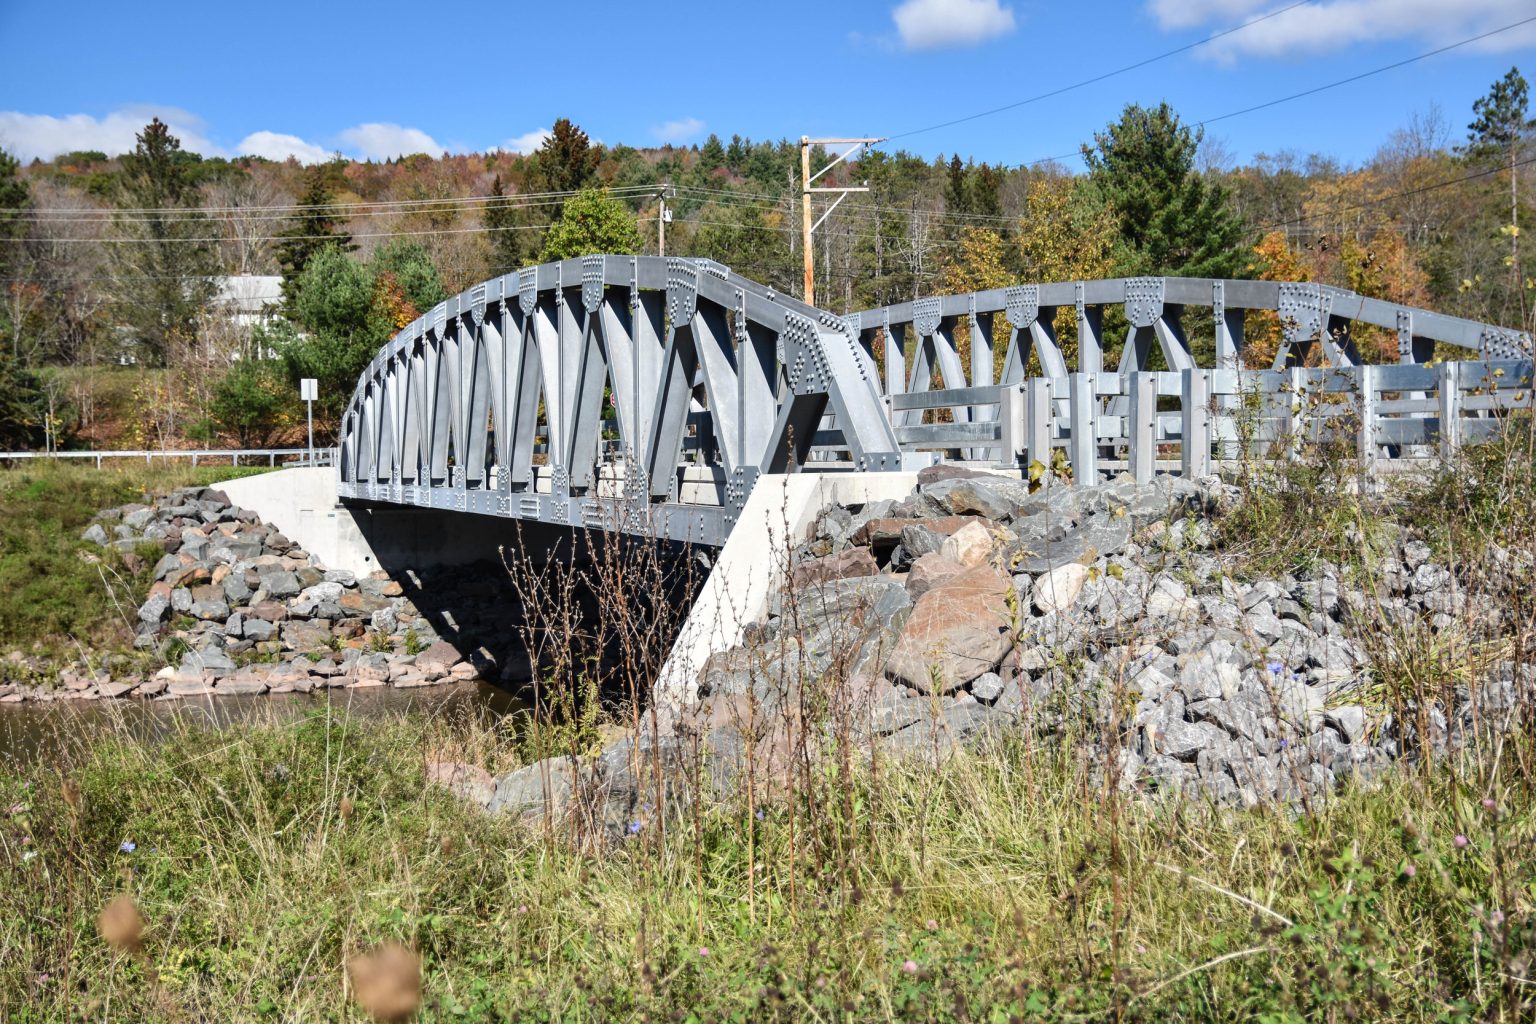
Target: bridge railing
{"x": 251, "y": 456}
{"x": 1185, "y": 420}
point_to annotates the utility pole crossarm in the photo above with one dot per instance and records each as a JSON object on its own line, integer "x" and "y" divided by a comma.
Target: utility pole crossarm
{"x": 809, "y": 188}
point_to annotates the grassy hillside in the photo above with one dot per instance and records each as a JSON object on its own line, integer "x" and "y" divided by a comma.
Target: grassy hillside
{"x": 61, "y": 596}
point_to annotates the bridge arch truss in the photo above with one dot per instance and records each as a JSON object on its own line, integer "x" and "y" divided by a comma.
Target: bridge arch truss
{"x": 648, "y": 394}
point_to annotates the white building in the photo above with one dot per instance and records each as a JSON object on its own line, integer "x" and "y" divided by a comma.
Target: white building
{"x": 249, "y": 300}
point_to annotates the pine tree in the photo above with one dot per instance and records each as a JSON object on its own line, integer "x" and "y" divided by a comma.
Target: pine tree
{"x": 163, "y": 273}
{"x": 565, "y": 163}
{"x": 15, "y": 197}
{"x": 509, "y": 248}
{"x": 1495, "y": 137}
{"x": 317, "y": 225}
{"x": 1172, "y": 221}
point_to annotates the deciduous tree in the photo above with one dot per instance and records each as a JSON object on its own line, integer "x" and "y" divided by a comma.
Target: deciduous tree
{"x": 592, "y": 222}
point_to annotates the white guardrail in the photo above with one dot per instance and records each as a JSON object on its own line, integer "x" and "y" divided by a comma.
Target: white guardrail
{"x": 253, "y": 456}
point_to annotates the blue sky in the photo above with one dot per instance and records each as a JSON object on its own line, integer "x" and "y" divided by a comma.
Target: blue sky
{"x": 378, "y": 79}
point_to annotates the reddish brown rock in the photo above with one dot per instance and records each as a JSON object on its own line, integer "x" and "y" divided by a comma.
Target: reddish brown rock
{"x": 929, "y": 571}
{"x": 841, "y": 566}
{"x": 268, "y": 611}
{"x": 441, "y": 656}
{"x": 949, "y": 471}
{"x": 209, "y": 593}
{"x": 957, "y": 631}
{"x": 361, "y": 604}
{"x": 191, "y": 576}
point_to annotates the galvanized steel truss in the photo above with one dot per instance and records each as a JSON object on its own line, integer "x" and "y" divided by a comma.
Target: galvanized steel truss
{"x": 494, "y": 402}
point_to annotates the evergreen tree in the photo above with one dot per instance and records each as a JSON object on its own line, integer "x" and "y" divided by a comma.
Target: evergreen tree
{"x": 566, "y": 162}
{"x": 23, "y": 407}
{"x": 1172, "y": 221}
{"x": 317, "y": 225}
{"x": 348, "y": 310}
{"x": 593, "y": 222}
{"x": 740, "y": 237}
{"x": 163, "y": 273}
{"x": 502, "y": 222}
{"x": 1494, "y": 136}
{"x": 15, "y": 197}
{"x": 736, "y": 154}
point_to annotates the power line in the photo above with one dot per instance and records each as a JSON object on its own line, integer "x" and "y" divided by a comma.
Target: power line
{"x": 1330, "y": 85}
{"x": 1366, "y": 74}
{"x": 1097, "y": 78}
{"x": 1448, "y": 182}
{"x": 291, "y": 208}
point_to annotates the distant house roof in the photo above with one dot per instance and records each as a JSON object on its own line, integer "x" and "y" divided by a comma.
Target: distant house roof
{"x": 249, "y": 293}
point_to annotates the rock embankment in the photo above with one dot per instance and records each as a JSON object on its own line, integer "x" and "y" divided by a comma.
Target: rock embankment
{"x": 1100, "y": 615}
{"x": 237, "y": 608}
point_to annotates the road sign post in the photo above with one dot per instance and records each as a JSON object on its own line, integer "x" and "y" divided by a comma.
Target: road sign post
{"x": 309, "y": 389}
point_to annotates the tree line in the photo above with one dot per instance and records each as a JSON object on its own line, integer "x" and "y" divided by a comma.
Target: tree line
{"x": 109, "y": 261}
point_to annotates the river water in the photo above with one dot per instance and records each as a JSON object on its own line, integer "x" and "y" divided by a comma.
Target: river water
{"x": 29, "y": 731}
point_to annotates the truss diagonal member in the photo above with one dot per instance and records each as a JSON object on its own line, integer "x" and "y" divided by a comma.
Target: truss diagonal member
{"x": 824, "y": 358}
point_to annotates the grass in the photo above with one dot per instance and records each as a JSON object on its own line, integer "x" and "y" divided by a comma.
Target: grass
{"x": 994, "y": 888}
{"x": 275, "y": 870}
{"x": 61, "y": 596}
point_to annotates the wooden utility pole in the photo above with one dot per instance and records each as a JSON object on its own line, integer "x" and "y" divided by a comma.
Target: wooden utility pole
{"x": 808, "y": 290}
{"x": 662, "y": 216}
{"x": 807, "y": 186}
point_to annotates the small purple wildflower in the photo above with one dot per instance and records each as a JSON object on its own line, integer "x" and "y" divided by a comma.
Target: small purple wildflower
{"x": 128, "y": 846}
{"x": 1489, "y": 804}
{"x": 1409, "y": 870}
{"x": 1275, "y": 667}
{"x": 703, "y": 951}
{"x": 759, "y": 814}
{"x": 1496, "y": 918}
{"x": 634, "y": 828}
{"x": 17, "y": 809}
{"x": 1284, "y": 743}
{"x": 932, "y": 925}
{"x": 909, "y": 967}
{"x": 1460, "y": 842}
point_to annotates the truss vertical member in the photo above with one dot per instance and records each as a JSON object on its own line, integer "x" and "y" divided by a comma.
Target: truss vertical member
{"x": 808, "y": 186}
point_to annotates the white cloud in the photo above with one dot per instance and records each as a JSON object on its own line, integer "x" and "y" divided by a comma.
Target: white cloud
{"x": 1324, "y": 28}
{"x": 377, "y": 141}
{"x": 43, "y": 136}
{"x": 527, "y": 142}
{"x": 935, "y": 24}
{"x": 683, "y": 130}
{"x": 277, "y": 146}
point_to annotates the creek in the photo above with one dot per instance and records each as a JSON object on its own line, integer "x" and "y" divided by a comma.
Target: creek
{"x": 46, "y": 730}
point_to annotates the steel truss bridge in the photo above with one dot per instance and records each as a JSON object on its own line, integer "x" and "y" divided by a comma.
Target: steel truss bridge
{"x": 647, "y": 394}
